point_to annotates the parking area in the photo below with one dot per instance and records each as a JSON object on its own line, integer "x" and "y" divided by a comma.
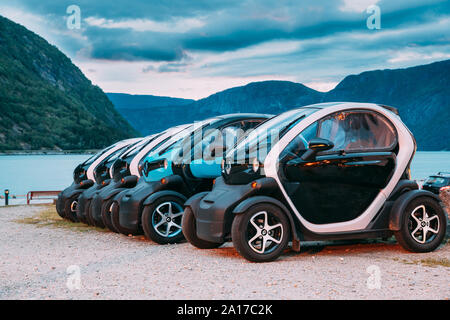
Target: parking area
{"x": 43, "y": 258}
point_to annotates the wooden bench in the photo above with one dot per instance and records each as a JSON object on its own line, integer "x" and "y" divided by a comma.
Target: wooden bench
{"x": 32, "y": 195}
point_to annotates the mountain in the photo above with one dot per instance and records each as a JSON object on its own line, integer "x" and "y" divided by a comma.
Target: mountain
{"x": 141, "y": 111}
{"x": 45, "y": 100}
{"x": 151, "y": 115}
{"x": 421, "y": 93}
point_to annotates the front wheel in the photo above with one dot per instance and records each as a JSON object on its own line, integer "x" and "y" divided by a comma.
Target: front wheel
{"x": 106, "y": 215}
{"x": 190, "y": 232}
{"x": 161, "y": 220}
{"x": 423, "y": 225}
{"x": 261, "y": 233}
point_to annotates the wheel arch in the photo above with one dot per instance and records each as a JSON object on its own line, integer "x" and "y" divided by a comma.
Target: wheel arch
{"x": 396, "y": 214}
{"x": 153, "y": 197}
{"x": 194, "y": 201}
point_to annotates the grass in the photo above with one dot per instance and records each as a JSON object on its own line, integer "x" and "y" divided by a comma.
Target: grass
{"x": 431, "y": 262}
{"x": 50, "y": 218}
{"x": 428, "y": 262}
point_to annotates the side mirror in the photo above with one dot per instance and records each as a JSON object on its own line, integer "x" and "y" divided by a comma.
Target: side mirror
{"x": 316, "y": 145}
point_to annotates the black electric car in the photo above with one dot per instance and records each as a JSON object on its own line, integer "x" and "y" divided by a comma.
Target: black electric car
{"x": 322, "y": 172}
{"x": 155, "y": 206}
{"x": 83, "y": 178}
{"x": 103, "y": 177}
{"x": 125, "y": 173}
{"x": 436, "y": 182}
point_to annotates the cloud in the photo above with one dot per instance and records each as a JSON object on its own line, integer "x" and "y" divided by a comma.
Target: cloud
{"x": 312, "y": 41}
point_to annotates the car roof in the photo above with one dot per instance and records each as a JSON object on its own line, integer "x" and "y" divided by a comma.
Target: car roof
{"x": 357, "y": 104}
{"x": 244, "y": 115}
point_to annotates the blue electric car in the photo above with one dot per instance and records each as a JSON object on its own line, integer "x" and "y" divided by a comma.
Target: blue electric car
{"x": 175, "y": 172}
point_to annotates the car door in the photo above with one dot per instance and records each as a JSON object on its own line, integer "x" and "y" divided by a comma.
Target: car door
{"x": 340, "y": 183}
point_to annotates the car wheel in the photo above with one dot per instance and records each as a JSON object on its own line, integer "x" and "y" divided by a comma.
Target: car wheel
{"x": 106, "y": 215}
{"x": 60, "y": 210}
{"x": 87, "y": 209}
{"x": 423, "y": 225}
{"x": 115, "y": 220}
{"x": 261, "y": 233}
{"x": 190, "y": 232}
{"x": 161, "y": 220}
{"x": 70, "y": 209}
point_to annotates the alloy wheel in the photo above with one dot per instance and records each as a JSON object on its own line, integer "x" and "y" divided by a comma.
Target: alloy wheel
{"x": 423, "y": 224}
{"x": 166, "y": 219}
{"x": 265, "y": 232}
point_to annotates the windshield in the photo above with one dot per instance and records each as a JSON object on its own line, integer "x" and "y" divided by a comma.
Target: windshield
{"x": 139, "y": 146}
{"x": 177, "y": 140}
{"x": 436, "y": 180}
{"x": 260, "y": 141}
{"x": 91, "y": 159}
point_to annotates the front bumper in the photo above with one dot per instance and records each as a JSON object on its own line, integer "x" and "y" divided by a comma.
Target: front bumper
{"x": 74, "y": 190}
{"x": 84, "y": 201}
{"x": 131, "y": 204}
{"x": 214, "y": 212}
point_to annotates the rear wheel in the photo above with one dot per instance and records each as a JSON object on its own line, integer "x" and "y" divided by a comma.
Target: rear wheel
{"x": 261, "y": 233}
{"x": 161, "y": 220}
{"x": 106, "y": 215}
{"x": 423, "y": 225}
{"x": 190, "y": 232}
{"x": 70, "y": 209}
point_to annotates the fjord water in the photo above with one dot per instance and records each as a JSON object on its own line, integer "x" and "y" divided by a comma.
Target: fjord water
{"x": 23, "y": 173}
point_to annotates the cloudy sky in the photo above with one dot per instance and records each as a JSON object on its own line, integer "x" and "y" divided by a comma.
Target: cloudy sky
{"x": 193, "y": 48}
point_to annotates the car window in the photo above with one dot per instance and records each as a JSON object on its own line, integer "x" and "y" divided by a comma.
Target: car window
{"x": 299, "y": 144}
{"x": 357, "y": 131}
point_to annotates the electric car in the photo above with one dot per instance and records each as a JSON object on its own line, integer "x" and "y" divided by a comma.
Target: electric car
{"x": 322, "y": 172}
{"x": 83, "y": 177}
{"x": 103, "y": 177}
{"x": 125, "y": 174}
{"x": 437, "y": 182}
{"x": 156, "y": 206}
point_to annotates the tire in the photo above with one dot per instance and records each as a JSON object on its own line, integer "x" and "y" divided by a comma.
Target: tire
{"x": 190, "y": 232}
{"x": 70, "y": 209}
{"x": 115, "y": 220}
{"x": 411, "y": 234}
{"x": 106, "y": 215}
{"x": 87, "y": 208}
{"x": 60, "y": 210}
{"x": 151, "y": 218}
{"x": 243, "y": 231}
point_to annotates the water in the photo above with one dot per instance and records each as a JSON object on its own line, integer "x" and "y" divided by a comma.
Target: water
{"x": 24, "y": 173}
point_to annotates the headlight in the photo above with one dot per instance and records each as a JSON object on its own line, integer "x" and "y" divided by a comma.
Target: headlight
{"x": 255, "y": 165}
{"x": 166, "y": 164}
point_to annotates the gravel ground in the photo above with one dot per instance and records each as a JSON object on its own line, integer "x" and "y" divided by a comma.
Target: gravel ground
{"x": 34, "y": 264}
